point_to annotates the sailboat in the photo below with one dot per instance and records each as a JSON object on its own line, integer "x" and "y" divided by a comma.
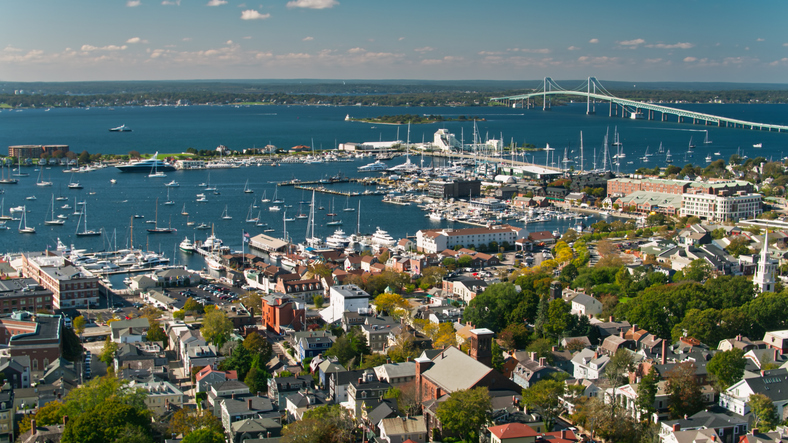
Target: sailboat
{"x": 157, "y": 229}
{"x": 285, "y": 219}
{"x": 310, "y": 237}
{"x": 225, "y": 215}
{"x": 189, "y": 223}
{"x": 41, "y": 182}
{"x": 265, "y": 199}
{"x": 2, "y": 211}
{"x": 73, "y": 184}
{"x": 183, "y": 211}
{"x": 169, "y": 202}
{"x": 9, "y": 180}
{"x": 154, "y": 170}
{"x": 301, "y": 212}
{"x": 208, "y": 187}
{"x": 691, "y": 146}
{"x": 77, "y": 211}
{"x": 259, "y": 221}
{"x": 23, "y": 228}
{"x": 646, "y": 155}
{"x": 668, "y": 157}
{"x": 249, "y": 218}
{"x": 660, "y": 150}
{"x": 708, "y": 158}
{"x": 83, "y": 217}
{"x": 247, "y": 190}
{"x": 331, "y": 212}
{"x": 348, "y": 208}
{"x": 706, "y": 140}
{"x": 53, "y": 220}
{"x": 277, "y": 199}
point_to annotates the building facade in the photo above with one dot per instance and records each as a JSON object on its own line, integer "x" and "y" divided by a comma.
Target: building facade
{"x": 70, "y": 287}
{"x": 434, "y": 241}
{"x": 721, "y": 208}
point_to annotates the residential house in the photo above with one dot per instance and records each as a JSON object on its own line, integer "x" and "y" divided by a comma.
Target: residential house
{"x": 312, "y": 346}
{"x": 582, "y": 304}
{"x": 770, "y": 383}
{"x": 200, "y": 356}
{"x": 210, "y": 376}
{"x": 159, "y": 395}
{"x": 729, "y": 426}
{"x": 282, "y": 313}
{"x": 513, "y": 433}
{"x": 253, "y": 430}
{"x": 339, "y": 382}
{"x": 531, "y": 370}
{"x": 365, "y": 388}
{"x": 396, "y": 373}
{"x": 589, "y": 364}
{"x": 129, "y": 331}
{"x": 344, "y": 298}
{"x": 777, "y": 340}
{"x": 220, "y": 391}
{"x": 16, "y": 371}
{"x": 282, "y": 387}
{"x": 301, "y": 402}
{"x": 403, "y": 429}
{"x": 236, "y": 409}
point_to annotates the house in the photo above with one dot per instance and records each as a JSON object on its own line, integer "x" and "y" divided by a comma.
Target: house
{"x": 770, "y": 383}
{"x": 237, "y": 409}
{"x": 301, "y": 402}
{"x": 582, "y": 304}
{"x": 129, "y": 331}
{"x": 204, "y": 355}
{"x": 513, "y": 433}
{"x": 396, "y": 373}
{"x": 531, "y": 370}
{"x": 159, "y": 395}
{"x": 738, "y": 342}
{"x": 254, "y": 429}
{"x": 339, "y": 382}
{"x": 282, "y": 387}
{"x": 729, "y": 426}
{"x": 589, "y": 364}
{"x": 16, "y": 371}
{"x": 312, "y": 346}
{"x": 777, "y": 340}
{"x": 690, "y": 436}
{"x": 141, "y": 355}
{"x": 344, "y": 298}
{"x": 209, "y": 376}
{"x": 402, "y": 429}
{"x": 365, "y": 388}
{"x": 220, "y": 391}
{"x": 764, "y": 437}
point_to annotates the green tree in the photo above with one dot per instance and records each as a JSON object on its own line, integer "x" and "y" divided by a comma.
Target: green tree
{"x": 389, "y": 302}
{"x": 185, "y": 421}
{"x": 619, "y": 366}
{"x": 79, "y": 325}
{"x": 465, "y": 413}
{"x": 257, "y": 380}
{"x": 192, "y": 306}
{"x": 323, "y": 424}
{"x": 491, "y": 308}
{"x": 684, "y": 391}
{"x": 698, "y": 270}
{"x": 544, "y": 397}
{"x": 739, "y": 245}
{"x": 204, "y": 436}
{"x": 156, "y": 333}
{"x": 252, "y": 300}
{"x": 49, "y": 414}
{"x": 568, "y": 273}
{"x": 558, "y": 317}
{"x": 107, "y": 355}
{"x": 133, "y": 434}
{"x": 216, "y": 327}
{"x": 465, "y": 261}
{"x": 727, "y": 368}
{"x": 105, "y": 422}
{"x": 647, "y": 393}
{"x": 349, "y": 348}
{"x": 256, "y": 344}
{"x": 764, "y": 412}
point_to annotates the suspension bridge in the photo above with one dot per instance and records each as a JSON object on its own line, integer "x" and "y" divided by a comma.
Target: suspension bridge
{"x": 593, "y": 91}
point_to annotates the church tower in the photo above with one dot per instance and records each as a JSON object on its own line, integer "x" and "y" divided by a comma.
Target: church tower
{"x": 764, "y": 273}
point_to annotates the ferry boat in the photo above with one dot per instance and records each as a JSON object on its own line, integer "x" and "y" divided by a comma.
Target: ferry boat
{"x": 382, "y": 238}
{"x": 187, "y": 245}
{"x": 147, "y": 165}
{"x": 121, "y": 128}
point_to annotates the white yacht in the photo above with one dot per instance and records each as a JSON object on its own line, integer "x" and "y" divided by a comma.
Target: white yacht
{"x": 382, "y": 238}
{"x": 186, "y": 245}
{"x": 337, "y": 240}
{"x": 373, "y": 167}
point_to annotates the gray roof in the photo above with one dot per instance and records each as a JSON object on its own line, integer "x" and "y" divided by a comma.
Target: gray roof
{"x": 453, "y": 370}
{"x": 396, "y": 370}
{"x": 240, "y": 406}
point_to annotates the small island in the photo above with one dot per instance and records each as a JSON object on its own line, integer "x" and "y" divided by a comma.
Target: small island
{"x": 413, "y": 119}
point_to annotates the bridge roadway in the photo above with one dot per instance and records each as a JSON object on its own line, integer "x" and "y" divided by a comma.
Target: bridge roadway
{"x": 651, "y": 108}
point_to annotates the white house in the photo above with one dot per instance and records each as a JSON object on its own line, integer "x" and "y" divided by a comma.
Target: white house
{"x": 772, "y": 383}
{"x": 436, "y": 240}
{"x": 589, "y": 365}
{"x": 344, "y": 298}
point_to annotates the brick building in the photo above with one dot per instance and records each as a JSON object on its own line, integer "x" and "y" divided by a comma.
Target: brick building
{"x": 37, "y": 336}
{"x": 35, "y": 151}
{"x": 280, "y": 313}
{"x": 23, "y": 294}
{"x": 70, "y": 287}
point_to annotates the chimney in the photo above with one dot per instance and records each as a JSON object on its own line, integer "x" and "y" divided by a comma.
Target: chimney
{"x": 542, "y": 361}
{"x": 776, "y": 355}
{"x": 554, "y": 348}
{"x": 755, "y": 431}
{"x": 532, "y": 355}
{"x": 763, "y": 373}
{"x": 676, "y": 427}
{"x": 361, "y": 380}
{"x": 65, "y": 420}
{"x": 610, "y": 319}
{"x": 407, "y": 359}
{"x": 232, "y": 396}
{"x": 33, "y": 429}
{"x": 664, "y": 351}
{"x": 249, "y": 403}
{"x": 621, "y": 333}
{"x": 634, "y": 328}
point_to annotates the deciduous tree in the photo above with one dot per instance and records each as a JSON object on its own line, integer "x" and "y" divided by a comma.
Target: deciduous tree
{"x": 684, "y": 391}
{"x": 727, "y": 368}
{"x": 464, "y": 413}
{"x": 544, "y": 396}
{"x": 764, "y": 412}
{"x": 216, "y": 327}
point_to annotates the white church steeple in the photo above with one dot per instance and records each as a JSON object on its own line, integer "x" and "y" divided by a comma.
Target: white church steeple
{"x": 764, "y": 273}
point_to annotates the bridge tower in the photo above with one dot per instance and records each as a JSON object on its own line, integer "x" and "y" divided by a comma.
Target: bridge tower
{"x": 588, "y": 97}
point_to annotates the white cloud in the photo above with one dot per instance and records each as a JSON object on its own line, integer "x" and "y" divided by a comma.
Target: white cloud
{"x": 356, "y": 50}
{"x": 785, "y": 44}
{"x": 424, "y": 49}
{"x": 88, "y": 48}
{"x": 312, "y": 4}
{"x": 594, "y": 40}
{"x": 760, "y": 39}
{"x": 133, "y": 3}
{"x": 171, "y": 2}
{"x": 307, "y": 39}
{"x": 248, "y": 37}
{"x": 653, "y": 60}
{"x": 403, "y": 38}
{"x": 134, "y": 40}
{"x": 228, "y": 42}
{"x": 186, "y": 39}
{"x": 690, "y": 59}
{"x": 530, "y": 51}
{"x": 675, "y": 46}
{"x": 633, "y": 42}
{"x": 216, "y": 3}
{"x": 573, "y": 48}
{"x": 488, "y": 53}
{"x": 251, "y": 14}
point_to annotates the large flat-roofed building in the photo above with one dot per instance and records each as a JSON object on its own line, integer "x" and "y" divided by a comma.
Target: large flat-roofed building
{"x": 722, "y": 208}
{"x": 344, "y": 298}
{"x": 433, "y": 241}
{"x": 35, "y": 151}
{"x": 37, "y": 336}
{"x": 70, "y": 287}
{"x": 21, "y": 294}
{"x": 625, "y": 186}
{"x": 266, "y": 243}
{"x": 530, "y": 171}
{"x": 455, "y": 189}
{"x": 190, "y": 164}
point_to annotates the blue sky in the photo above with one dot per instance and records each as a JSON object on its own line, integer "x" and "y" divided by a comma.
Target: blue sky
{"x": 72, "y": 40}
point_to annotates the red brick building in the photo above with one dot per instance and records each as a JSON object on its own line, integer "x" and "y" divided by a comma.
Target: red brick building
{"x": 280, "y": 312}
{"x": 70, "y": 287}
{"x": 37, "y": 336}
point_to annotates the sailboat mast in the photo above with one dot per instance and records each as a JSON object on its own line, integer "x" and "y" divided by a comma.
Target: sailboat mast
{"x": 581, "y": 152}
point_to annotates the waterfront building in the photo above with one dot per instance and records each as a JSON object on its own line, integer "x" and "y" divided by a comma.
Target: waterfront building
{"x": 23, "y": 294}
{"x": 445, "y": 141}
{"x": 455, "y": 189}
{"x": 721, "y": 208}
{"x": 37, "y": 336}
{"x": 190, "y": 164}
{"x": 35, "y": 151}
{"x": 432, "y": 241}
{"x": 70, "y": 287}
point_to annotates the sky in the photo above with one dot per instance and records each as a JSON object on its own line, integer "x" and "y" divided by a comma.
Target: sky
{"x": 669, "y": 40}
